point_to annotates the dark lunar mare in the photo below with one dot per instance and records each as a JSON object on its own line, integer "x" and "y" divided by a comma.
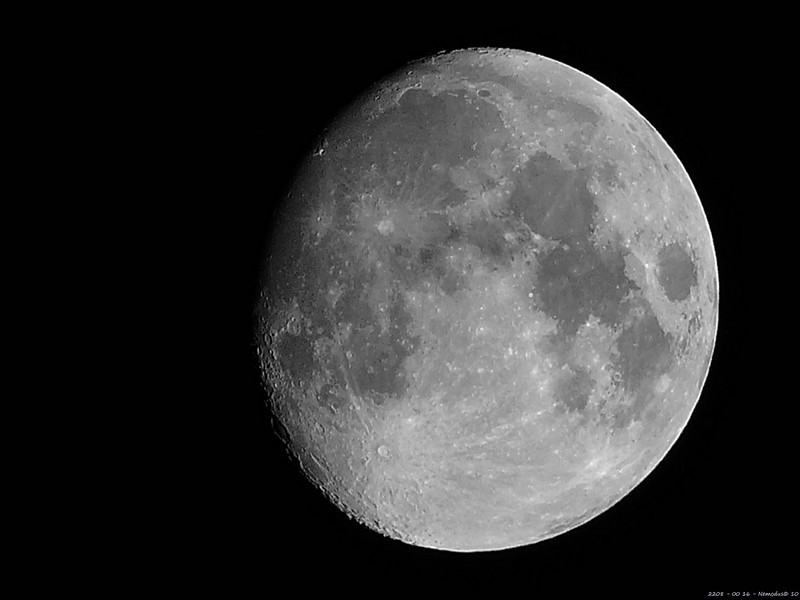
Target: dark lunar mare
{"x": 677, "y": 273}
{"x": 577, "y": 280}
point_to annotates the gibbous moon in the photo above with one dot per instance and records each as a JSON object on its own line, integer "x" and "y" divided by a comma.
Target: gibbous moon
{"x": 489, "y": 303}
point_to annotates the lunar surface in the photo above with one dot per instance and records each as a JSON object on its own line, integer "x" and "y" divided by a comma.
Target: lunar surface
{"x": 489, "y": 302}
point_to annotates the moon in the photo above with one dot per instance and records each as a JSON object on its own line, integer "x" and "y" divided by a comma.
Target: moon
{"x": 489, "y": 302}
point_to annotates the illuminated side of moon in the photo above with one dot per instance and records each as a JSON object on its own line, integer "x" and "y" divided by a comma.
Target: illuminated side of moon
{"x": 490, "y": 304}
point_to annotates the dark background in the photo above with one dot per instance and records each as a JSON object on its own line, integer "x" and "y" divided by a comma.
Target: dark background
{"x": 718, "y": 514}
